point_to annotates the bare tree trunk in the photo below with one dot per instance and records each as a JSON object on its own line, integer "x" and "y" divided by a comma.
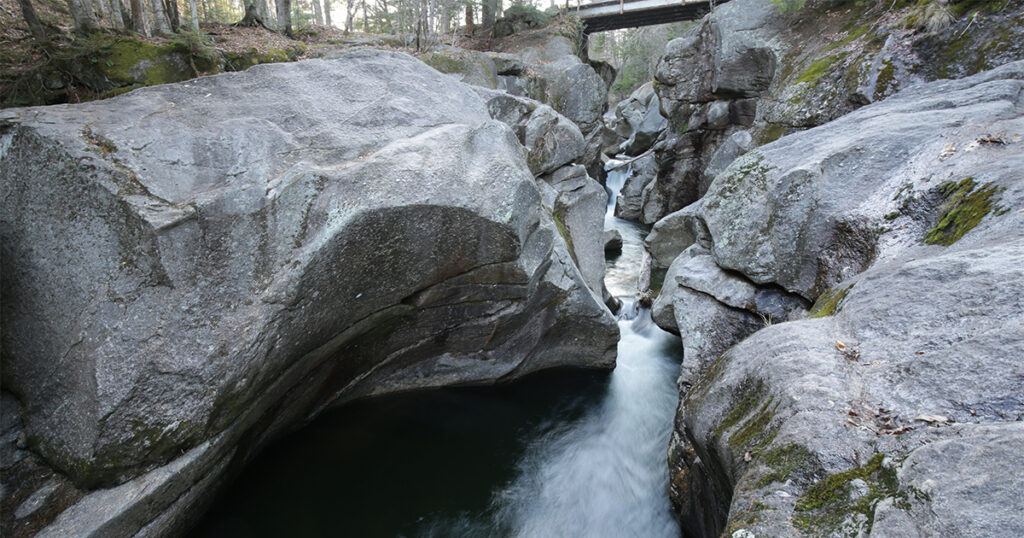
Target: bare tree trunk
{"x": 350, "y": 11}
{"x": 139, "y": 18}
{"x": 488, "y": 8}
{"x": 327, "y": 13}
{"x": 193, "y": 12}
{"x": 81, "y": 13}
{"x": 160, "y": 25}
{"x": 284, "y": 17}
{"x": 36, "y": 27}
{"x": 251, "y": 18}
{"x": 469, "y": 18}
{"x": 126, "y": 15}
{"x": 318, "y": 13}
{"x": 171, "y": 8}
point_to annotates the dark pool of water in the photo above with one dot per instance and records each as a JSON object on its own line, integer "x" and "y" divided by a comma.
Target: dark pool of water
{"x": 413, "y": 465}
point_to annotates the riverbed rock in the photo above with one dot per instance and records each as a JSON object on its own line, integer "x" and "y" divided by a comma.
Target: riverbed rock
{"x": 807, "y": 212}
{"x": 572, "y": 87}
{"x": 578, "y": 207}
{"x": 222, "y": 259}
{"x": 707, "y": 325}
{"x": 630, "y": 200}
{"x": 551, "y": 140}
{"x": 612, "y": 242}
{"x": 673, "y": 234}
{"x": 902, "y": 221}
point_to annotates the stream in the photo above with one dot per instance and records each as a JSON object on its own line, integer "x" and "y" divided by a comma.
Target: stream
{"x": 559, "y": 454}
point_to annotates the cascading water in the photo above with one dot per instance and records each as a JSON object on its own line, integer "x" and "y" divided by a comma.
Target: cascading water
{"x": 605, "y": 475}
{"x": 564, "y": 454}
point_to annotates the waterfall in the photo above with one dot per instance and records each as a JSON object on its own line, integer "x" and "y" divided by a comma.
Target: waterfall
{"x": 605, "y": 475}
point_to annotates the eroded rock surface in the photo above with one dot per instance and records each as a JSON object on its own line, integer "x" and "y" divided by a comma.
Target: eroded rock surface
{"x": 903, "y": 222}
{"x": 191, "y": 265}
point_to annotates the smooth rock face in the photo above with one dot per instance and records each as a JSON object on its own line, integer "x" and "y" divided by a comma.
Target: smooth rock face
{"x": 579, "y": 206}
{"x": 630, "y": 201}
{"x": 223, "y": 258}
{"x": 783, "y": 213}
{"x": 898, "y": 399}
{"x": 543, "y": 67}
{"x": 551, "y": 141}
{"x": 675, "y": 233}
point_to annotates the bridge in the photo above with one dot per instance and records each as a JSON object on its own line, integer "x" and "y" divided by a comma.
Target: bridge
{"x": 616, "y": 14}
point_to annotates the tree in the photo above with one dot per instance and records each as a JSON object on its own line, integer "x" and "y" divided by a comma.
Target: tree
{"x": 81, "y": 13}
{"x": 488, "y": 10}
{"x": 173, "y": 15}
{"x": 193, "y": 14}
{"x": 160, "y": 25}
{"x": 327, "y": 12}
{"x": 126, "y": 15}
{"x": 251, "y": 18}
{"x": 34, "y": 26}
{"x": 139, "y": 18}
{"x": 350, "y": 11}
{"x": 284, "y": 17}
{"x": 317, "y": 12}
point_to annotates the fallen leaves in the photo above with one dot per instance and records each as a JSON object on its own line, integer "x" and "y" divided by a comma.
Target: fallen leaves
{"x": 849, "y": 352}
{"x": 937, "y": 420}
{"x": 880, "y": 421}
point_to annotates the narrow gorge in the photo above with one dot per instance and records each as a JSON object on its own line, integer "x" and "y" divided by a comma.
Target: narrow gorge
{"x": 778, "y": 290}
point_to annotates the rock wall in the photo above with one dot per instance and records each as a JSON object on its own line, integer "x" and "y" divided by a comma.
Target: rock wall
{"x": 810, "y": 391}
{"x": 543, "y": 66}
{"x": 870, "y": 414}
{"x": 748, "y": 74}
{"x": 192, "y": 269}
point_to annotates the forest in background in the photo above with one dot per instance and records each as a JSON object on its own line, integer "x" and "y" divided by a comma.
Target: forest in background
{"x": 51, "y": 35}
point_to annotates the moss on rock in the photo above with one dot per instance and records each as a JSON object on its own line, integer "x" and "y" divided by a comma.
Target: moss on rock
{"x": 826, "y": 505}
{"x": 828, "y": 303}
{"x": 784, "y": 461}
{"x": 965, "y": 206}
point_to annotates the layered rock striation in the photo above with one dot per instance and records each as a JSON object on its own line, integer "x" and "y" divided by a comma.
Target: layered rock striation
{"x": 192, "y": 269}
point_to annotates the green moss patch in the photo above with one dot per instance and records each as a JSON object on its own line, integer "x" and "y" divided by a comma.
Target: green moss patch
{"x": 818, "y": 68}
{"x": 965, "y": 206}
{"x": 751, "y": 416}
{"x": 827, "y": 504}
{"x": 828, "y": 303}
{"x": 772, "y": 132}
{"x": 884, "y": 81}
{"x": 757, "y": 431}
{"x": 559, "y": 217}
{"x": 784, "y": 461}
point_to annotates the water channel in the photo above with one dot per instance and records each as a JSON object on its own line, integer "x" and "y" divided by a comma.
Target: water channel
{"x": 560, "y": 454}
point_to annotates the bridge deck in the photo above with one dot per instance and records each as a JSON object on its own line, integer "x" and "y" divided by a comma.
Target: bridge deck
{"x": 613, "y": 14}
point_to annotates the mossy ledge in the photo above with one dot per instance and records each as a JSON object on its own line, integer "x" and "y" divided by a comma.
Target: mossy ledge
{"x": 828, "y": 505}
{"x": 965, "y": 206}
{"x": 828, "y": 303}
{"x": 104, "y": 65}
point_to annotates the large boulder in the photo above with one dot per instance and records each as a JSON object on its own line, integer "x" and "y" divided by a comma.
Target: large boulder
{"x": 573, "y": 87}
{"x": 670, "y": 236}
{"x": 577, "y": 203}
{"x": 902, "y": 221}
{"x": 629, "y": 202}
{"x": 551, "y": 140}
{"x": 194, "y": 265}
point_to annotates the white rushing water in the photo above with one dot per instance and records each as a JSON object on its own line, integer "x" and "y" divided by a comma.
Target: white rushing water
{"x": 605, "y": 475}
